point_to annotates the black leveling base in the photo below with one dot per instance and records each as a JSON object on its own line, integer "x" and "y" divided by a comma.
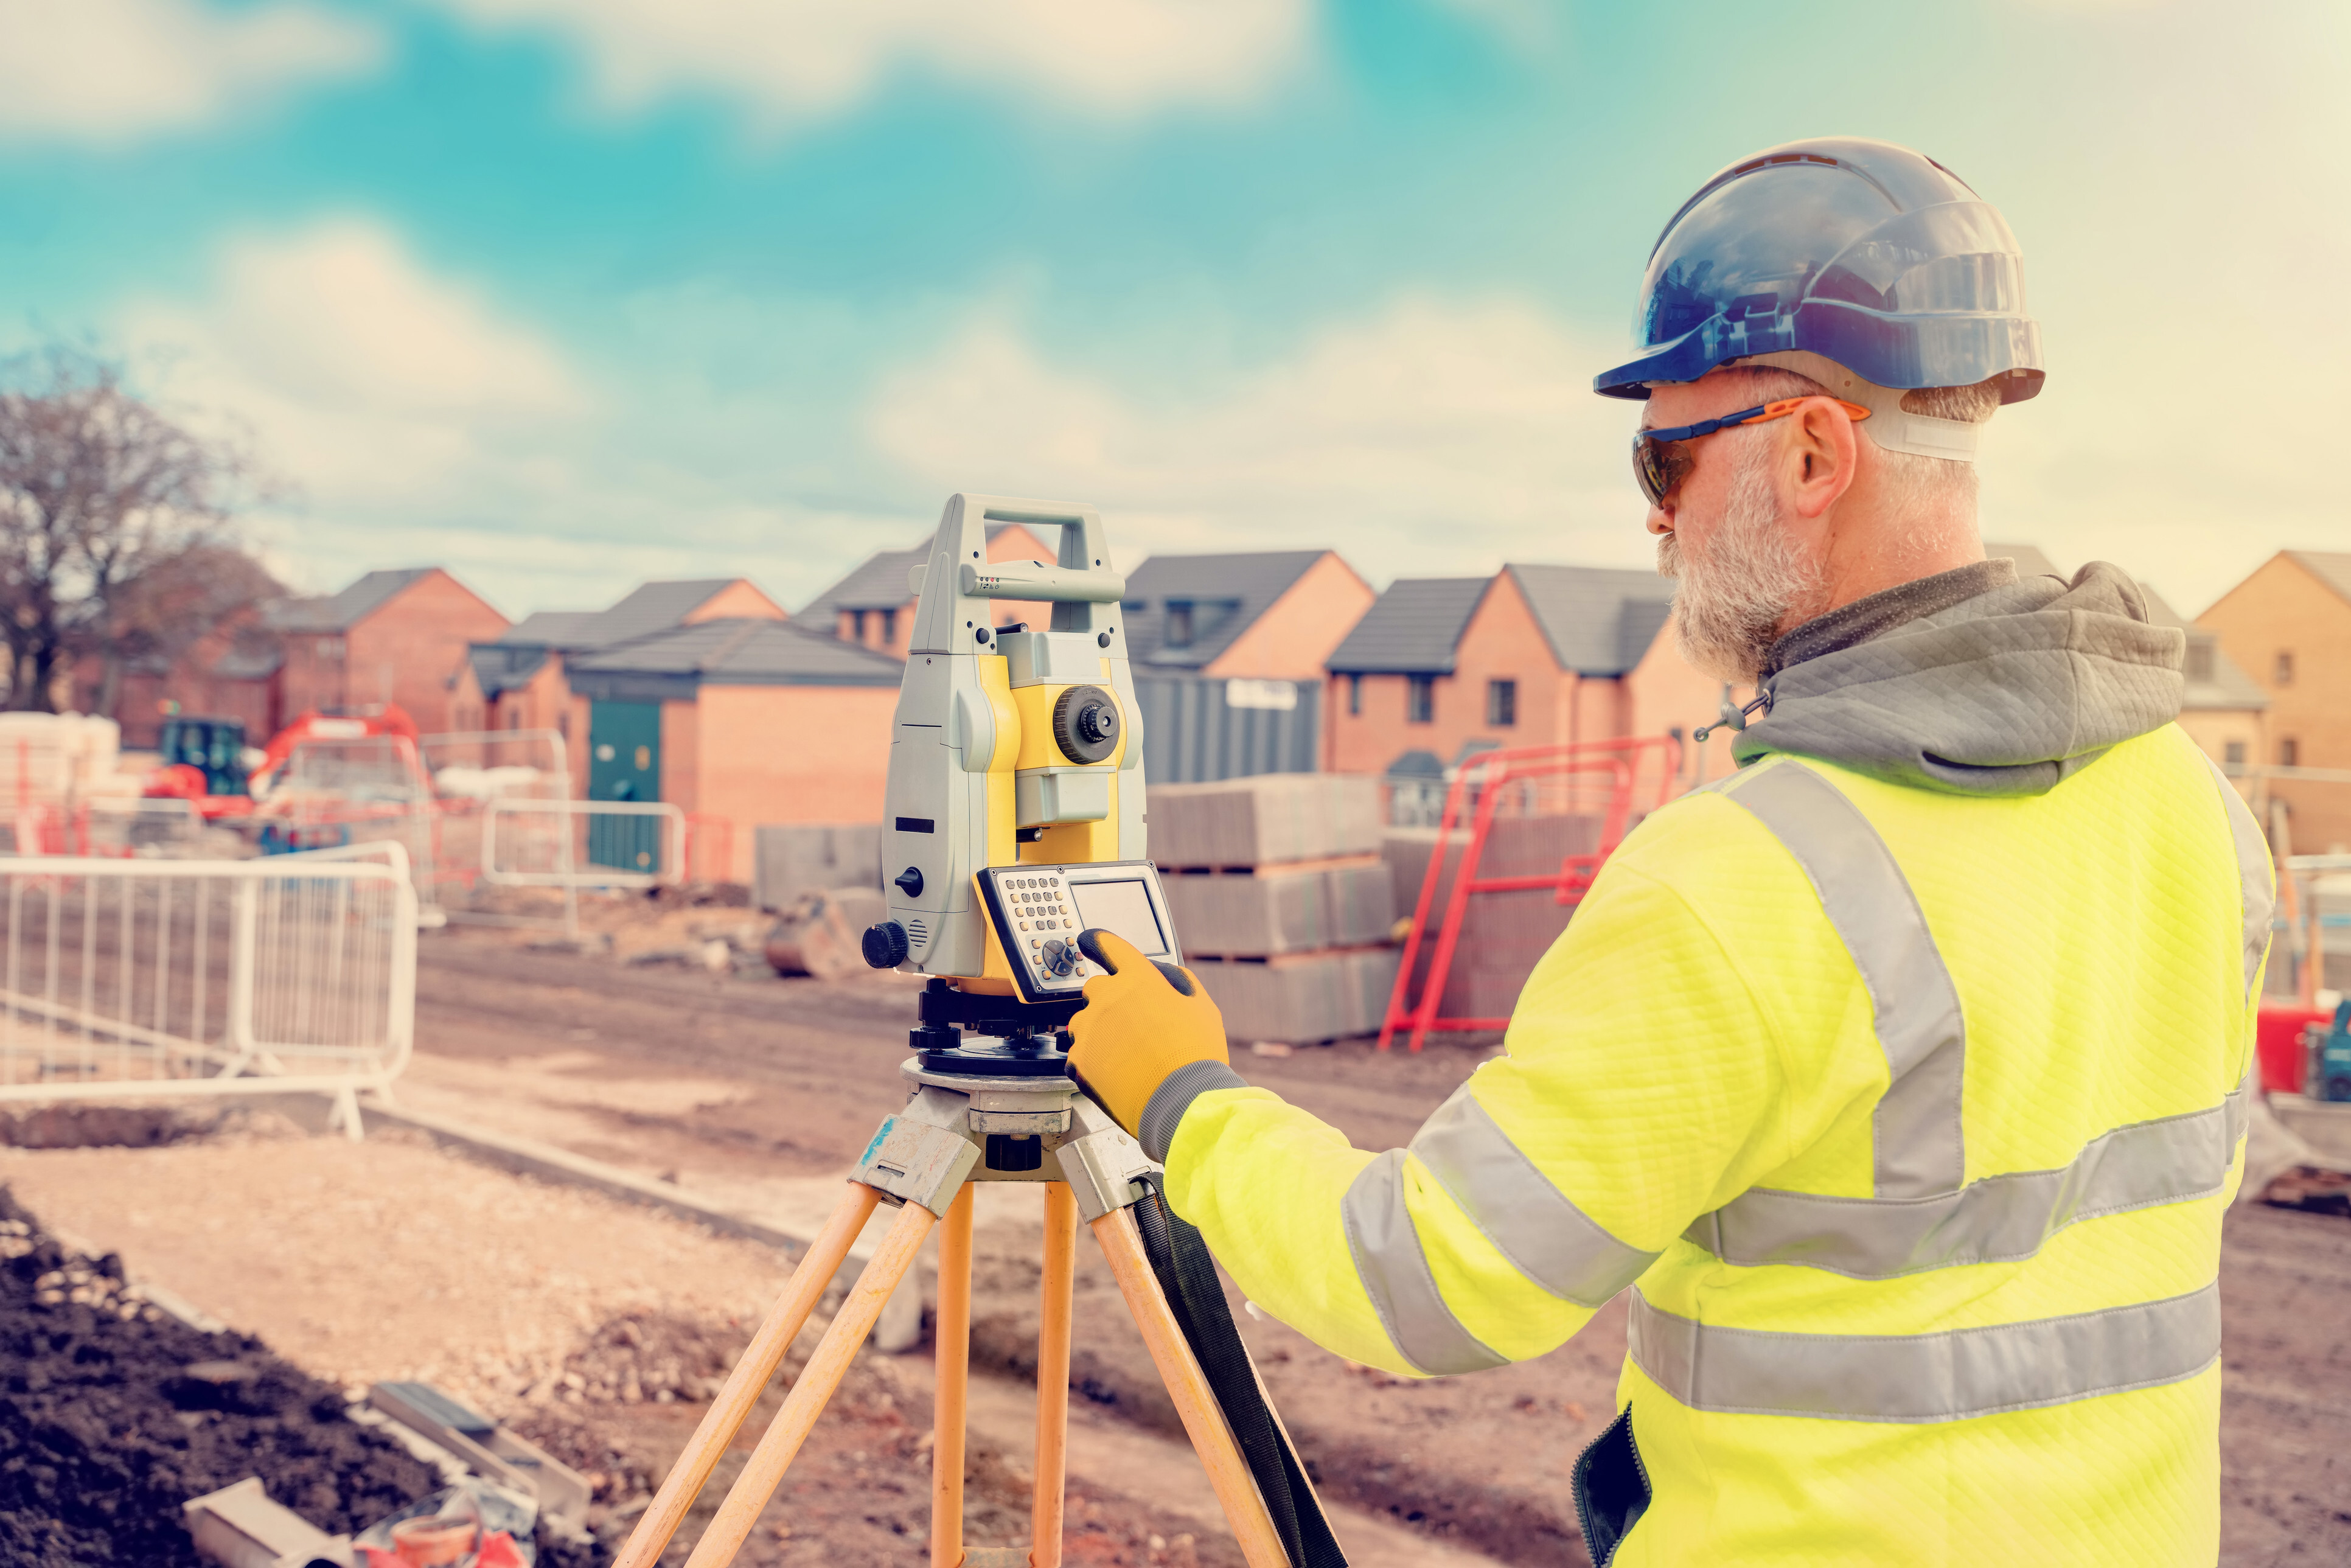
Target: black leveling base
{"x": 1009, "y": 1038}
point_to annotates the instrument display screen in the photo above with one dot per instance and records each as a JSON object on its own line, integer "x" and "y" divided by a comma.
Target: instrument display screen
{"x": 1122, "y": 908}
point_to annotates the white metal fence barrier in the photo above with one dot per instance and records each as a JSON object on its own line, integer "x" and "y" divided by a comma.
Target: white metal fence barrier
{"x": 583, "y": 843}
{"x": 139, "y": 979}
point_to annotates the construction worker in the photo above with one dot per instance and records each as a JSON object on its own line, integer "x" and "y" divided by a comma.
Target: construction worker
{"x": 1900, "y": 1076}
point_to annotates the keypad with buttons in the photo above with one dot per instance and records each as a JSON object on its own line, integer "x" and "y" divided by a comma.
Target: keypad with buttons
{"x": 1037, "y": 920}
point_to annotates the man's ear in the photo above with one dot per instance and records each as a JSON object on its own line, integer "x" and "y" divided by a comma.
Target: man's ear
{"x": 1821, "y": 458}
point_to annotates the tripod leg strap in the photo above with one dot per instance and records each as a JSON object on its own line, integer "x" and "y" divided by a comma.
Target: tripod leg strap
{"x": 1187, "y": 1277}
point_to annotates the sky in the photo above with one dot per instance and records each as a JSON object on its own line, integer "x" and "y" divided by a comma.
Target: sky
{"x": 564, "y": 295}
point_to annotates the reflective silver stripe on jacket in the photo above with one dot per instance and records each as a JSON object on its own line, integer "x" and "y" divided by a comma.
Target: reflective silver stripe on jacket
{"x": 2001, "y": 1218}
{"x": 1945, "y": 1376}
{"x": 1514, "y": 1206}
{"x": 1997, "y": 1220}
{"x": 2256, "y": 883}
{"x": 1395, "y": 1272}
{"x": 1916, "y": 1129}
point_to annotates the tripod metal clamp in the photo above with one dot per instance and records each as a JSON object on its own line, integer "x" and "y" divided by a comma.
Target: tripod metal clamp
{"x": 923, "y": 1155}
{"x": 1101, "y": 1162}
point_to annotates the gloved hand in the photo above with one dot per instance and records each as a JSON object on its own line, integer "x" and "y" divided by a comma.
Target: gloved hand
{"x": 1141, "y": 1023}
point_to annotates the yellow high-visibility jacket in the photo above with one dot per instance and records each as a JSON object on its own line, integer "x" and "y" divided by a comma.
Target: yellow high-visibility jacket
{"x": 1907, "y": 1113}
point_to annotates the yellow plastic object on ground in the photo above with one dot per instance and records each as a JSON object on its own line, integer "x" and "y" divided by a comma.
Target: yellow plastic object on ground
{"x": 1910, "y": 1117}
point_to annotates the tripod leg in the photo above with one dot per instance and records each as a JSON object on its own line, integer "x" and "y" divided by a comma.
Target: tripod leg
{"x": 954, "y": 1333}
{"x": 1188, "y": 1387}
{"x": 816, "y": 1381}
{"x": 1055, "y": 1308}
{"x": 757, "y": 1365}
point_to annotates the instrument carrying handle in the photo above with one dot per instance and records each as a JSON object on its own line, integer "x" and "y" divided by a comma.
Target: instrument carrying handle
{"x": 1187, "y": 1277}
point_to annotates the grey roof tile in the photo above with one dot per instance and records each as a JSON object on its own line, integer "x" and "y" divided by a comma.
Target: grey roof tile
{"x": 880, "y": 583}
{"x": 2331, "y": 566}
{"x": 340, "y": 611}
{"x": 1412, "y": 629}
{"x": 1228, "y": 594}
{"x": 747, "y": 650}
{"x": 554, "y": 629}
{"x": 1600, "y": 621}
{"x": 500, "y": 667}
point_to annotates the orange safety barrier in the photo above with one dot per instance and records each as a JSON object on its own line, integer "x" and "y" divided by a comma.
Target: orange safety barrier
{"x": 1523, "y": 779}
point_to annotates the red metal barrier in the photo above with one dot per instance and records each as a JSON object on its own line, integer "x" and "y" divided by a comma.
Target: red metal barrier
{"x": 2278, "y": 1038}
{"x": 1480, "y": 790}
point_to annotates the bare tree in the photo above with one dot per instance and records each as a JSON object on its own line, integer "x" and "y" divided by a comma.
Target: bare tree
{"x": 99, "y": 491}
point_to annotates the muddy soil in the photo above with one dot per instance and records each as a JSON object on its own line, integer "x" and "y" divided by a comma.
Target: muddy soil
{"x": 112, "y": 1414}
{"x": 1478, "y": 1462}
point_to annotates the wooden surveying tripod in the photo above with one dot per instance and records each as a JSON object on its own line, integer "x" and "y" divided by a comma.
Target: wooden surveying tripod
{"x": 956, "y": 1130}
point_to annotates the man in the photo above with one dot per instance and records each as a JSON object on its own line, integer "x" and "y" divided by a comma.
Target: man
{"x": 1899, "y": 1075}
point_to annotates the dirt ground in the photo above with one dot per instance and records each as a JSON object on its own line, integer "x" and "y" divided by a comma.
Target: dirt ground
{"x": 732, "y": 1083}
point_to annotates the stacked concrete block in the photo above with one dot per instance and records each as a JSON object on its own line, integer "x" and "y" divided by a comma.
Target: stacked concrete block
{"x": 1503, "y": 934}
{"x": 1265, "y": 819}
{"x": 1281, "y": 900}
{"x": 791, "y": 861}
{"x": 1304, "y": 998}
{"x": 1283, "y": 909}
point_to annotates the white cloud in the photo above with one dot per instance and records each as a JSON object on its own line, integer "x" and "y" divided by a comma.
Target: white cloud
{"x": 112, "y": 69}
{"x": 1433, "y": 438}
{"x": 1109, "y": 57}
{"x": 365, "y": 378}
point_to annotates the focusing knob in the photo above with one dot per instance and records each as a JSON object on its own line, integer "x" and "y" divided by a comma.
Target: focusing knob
{"x": 885, "y": 944}
{"x": 1086, "y": 723}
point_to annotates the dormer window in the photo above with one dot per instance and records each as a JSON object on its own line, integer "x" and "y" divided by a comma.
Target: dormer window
{"x": 1179, "y": 624}
{"x": 2199, "y": 660}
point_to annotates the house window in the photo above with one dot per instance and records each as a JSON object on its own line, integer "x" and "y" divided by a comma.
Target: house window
{"x": 1179, "y": 624}
{"x": 857, "y": 626}
{"x": 1501, "y": 703}
{"x": 330, "y": 649}
{"x": 2285, "y": 670}
{"x": 1354, "y": 696}
{"x": 889, "y": 629}
{"x": 2199, "y": 660}
{"x": 1420, "y": 699}
{"x": 2233, "y": 755}
{"x": 2289, "y": 753}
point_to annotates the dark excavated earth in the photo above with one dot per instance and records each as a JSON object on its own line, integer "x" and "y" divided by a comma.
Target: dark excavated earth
{"x": 105, "y": 1430}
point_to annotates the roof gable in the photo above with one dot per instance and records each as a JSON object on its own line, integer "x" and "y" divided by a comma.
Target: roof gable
{"x": 1593, "y": 616}
{"x": 881, "y": 582}
{"x": 341, "y": 611}
{"x": 2214, "y": 680}
{"x": 2332, "y": 568}
{"x": 1226, "y": 595}
{"x": 1412, "y": 629}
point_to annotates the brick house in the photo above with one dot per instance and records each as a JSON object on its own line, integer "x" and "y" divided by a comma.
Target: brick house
{"x": 1226, "y": 654}
{"x": 390, "y": 637}
{"x": 740, "y": 721}
{"x": 518, "y": 681}
{"x": 2288, "y": 625}
{"x": 1440, "y": 668}
{"x": 230, "y": 672}
{"x": 2223, "y": 709}
{"x": 874, "y": 606}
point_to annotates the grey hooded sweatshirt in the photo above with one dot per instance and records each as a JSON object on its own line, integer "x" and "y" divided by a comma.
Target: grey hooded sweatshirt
{"x": 1972, "y": 682}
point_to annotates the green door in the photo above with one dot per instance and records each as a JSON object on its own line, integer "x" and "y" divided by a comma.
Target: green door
{"x": 624, "y": 764}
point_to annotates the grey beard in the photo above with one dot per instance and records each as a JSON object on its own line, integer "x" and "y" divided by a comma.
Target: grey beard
{"x": 1731, "y": 607}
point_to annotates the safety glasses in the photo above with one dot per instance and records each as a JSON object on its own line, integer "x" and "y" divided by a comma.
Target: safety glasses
{"x": 1662, "y": 458}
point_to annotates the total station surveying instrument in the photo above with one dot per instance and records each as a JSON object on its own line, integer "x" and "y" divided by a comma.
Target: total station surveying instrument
{"x": 1015, "y": 822}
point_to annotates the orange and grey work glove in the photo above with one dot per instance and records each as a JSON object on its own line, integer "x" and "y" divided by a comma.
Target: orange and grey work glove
{"x": 1147, "y": 1042}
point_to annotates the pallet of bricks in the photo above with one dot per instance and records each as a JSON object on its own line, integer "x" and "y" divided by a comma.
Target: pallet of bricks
{"x": 1283, "y": 903}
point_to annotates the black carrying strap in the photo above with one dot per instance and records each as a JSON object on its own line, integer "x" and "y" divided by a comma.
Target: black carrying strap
{"x": 1187, "y": 1277}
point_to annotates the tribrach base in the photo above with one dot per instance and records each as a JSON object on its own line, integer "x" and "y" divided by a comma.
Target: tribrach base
{"x": 927, "y": 1158}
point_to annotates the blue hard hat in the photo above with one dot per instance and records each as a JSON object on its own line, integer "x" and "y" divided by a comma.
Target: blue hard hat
{"x": 1863, "y": 252}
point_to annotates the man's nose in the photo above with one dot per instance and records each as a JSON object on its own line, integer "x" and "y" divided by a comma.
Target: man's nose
{"x": 1661, "y": 518}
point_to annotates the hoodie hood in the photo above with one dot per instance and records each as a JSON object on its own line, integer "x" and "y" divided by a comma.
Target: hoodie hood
{"x": 2006, "y": 693}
